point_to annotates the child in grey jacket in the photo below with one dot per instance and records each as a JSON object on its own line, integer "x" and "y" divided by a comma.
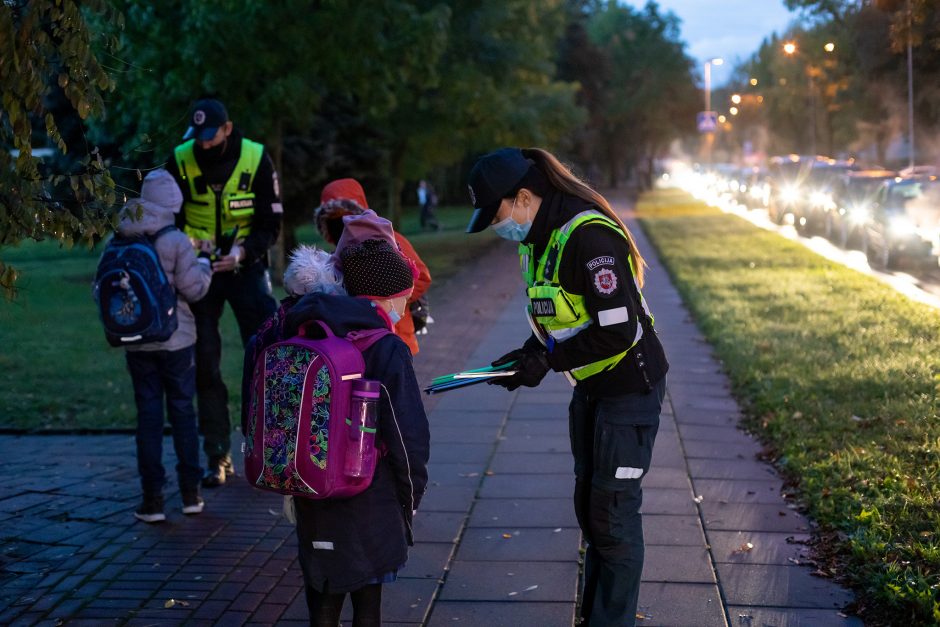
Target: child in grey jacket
{"x": 167, "y": 369}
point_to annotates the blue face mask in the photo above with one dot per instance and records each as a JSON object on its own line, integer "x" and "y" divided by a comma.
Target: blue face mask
{"x": 510, "y": 229}
{"x": 394, "y": 316}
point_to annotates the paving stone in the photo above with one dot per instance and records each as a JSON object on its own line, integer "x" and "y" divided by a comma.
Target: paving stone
{"x": 538, "y": 396}
{"x": 501, "y": 614}
{"x": 712, "y": 433}
{"x": 779, "y": 586}
{"x": 461, "y": 453}
{"x": 466, "y": 419}
{"x": 500, "y": 513}
{"x": 667, "y": 501}
{"x": 676, "y": 478}
{"x": 523, "y": 544}
{"x": 554, "y": 412}
{"x": 532, "y": 486}
{"x": 481, "y": 401}
{"x": 494, "y": 581}
{"x": 721, "y": 450}
{"x": 748, "y": 470}
{"x": 740, "y": 491}
{"x": 681, "y": 605}
{"x": 438, "y": 526}
{"x": 667, "y": 452}
{"x": 461, "y": 435}
{"x": 523, "y": 426}
{"x": 672, "y": 530}
{"x": 752, "y": 517}
{"x": 536, "y": 444}
{"x": 469, "y": 475}
{"x": 505, "y": 462}
{"x": 447, "y": 499}
{"x": 744, "y": 616}
{"x": 765, "y": 548}
{"x": 712, "y": 417}
{"x": 427, "y": 560}
{"x": 660, "y": 564}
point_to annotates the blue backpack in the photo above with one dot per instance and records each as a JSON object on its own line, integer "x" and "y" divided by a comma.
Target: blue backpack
{"x": 135, "y": 300}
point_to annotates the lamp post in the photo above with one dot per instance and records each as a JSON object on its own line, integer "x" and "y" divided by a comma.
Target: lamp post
{"x": 910, "y": 90}
{"x": 708, "y": 80}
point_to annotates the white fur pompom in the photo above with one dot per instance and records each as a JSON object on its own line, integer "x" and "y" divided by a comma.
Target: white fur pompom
{"x": 311, "y": 270}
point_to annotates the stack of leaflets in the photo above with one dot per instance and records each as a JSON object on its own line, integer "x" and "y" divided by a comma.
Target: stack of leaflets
{"x": 469, "y": 377}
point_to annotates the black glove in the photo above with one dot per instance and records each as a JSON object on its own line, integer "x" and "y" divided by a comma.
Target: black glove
{"x": 531, "y": 367}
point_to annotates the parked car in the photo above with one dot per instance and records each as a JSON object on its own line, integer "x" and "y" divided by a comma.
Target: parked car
{"x": 905, "y": 222}
{"x": 853, "y": 196}
{"x": 817, "y": 201}
{"x": 786, "y": 175}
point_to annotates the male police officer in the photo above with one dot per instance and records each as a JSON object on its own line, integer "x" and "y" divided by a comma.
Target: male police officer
{"x": 232, "y": 213}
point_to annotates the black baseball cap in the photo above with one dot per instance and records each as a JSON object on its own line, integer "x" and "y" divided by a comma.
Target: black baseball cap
{"x": 494, "y": 177}
{"x": 207, "y": 116}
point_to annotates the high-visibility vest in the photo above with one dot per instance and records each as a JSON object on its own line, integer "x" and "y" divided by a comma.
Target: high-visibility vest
{"x": 210, "y": 215}
{"x": 560, "y": 313}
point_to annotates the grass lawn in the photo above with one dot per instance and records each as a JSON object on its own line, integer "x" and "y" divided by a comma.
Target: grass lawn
{"x": 840, "y": 375}
{"x": 58, "y": 372}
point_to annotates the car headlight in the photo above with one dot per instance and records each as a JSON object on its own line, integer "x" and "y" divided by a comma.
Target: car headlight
{"x": 859, "y": 214}
{"x": 790, "y": 193}
{"x": 901, "y": 226}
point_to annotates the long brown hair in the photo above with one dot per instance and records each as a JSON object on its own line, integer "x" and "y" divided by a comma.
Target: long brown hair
{"x": 562, "y": 179}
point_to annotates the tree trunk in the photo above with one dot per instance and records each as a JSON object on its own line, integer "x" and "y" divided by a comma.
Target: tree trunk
{"x": 394, "y": 183}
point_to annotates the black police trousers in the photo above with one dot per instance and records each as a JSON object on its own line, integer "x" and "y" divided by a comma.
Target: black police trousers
{"x": 248, "y": 292}
{"x": 612, "y": 442}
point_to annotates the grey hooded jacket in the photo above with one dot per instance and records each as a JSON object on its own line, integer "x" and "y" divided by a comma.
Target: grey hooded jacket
{"x": 160, "y": 201}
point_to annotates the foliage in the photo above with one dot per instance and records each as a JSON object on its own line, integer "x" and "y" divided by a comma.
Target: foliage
{"x": 839, "y": 374}
{"x": 46, "y": 47}
{"x": 858, "y": 92}
{"x": 637, "y": 82}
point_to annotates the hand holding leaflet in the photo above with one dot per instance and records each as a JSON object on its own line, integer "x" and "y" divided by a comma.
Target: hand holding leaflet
{"x": 468, "y": 377}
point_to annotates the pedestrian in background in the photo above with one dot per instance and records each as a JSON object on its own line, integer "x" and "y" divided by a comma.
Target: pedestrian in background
{"x": 344, "y": 197}
{"x": 427, "y": 200}
{"x": 232, "y": 213}
{"x": 583, "y": 275}
{"x": 166, "y": 370}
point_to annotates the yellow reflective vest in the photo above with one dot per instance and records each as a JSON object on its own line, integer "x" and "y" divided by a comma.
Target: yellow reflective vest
{"x": 210, "y": 215}
{"x": 558, "y": 312}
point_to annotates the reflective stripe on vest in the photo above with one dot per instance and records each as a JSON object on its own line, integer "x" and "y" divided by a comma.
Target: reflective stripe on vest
{"x": 560, "y": 313}
{"x": 209, "y": 215}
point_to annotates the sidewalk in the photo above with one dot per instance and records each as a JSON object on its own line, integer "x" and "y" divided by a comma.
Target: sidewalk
{"x": 497, "y": 541}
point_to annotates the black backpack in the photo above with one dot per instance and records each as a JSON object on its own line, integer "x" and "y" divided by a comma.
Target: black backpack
{"x": 136, "y": 302}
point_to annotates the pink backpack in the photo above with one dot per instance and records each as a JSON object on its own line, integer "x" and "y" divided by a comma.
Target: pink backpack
{"x": 302, "y": 436}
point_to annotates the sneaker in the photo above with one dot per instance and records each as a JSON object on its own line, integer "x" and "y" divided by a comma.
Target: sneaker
{"x": 219, "y": 469}
{"x": 192, "y": 502}
{"x": 151, "y": 509}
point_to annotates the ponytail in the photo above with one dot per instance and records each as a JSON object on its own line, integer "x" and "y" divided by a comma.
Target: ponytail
{"x": 562, "y": 179}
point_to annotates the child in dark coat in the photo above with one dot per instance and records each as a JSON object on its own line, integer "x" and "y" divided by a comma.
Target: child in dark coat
{"x": 355, "y": 545}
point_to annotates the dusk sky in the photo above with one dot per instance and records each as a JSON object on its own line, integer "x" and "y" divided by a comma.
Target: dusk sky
{"x": 730, "y": 29}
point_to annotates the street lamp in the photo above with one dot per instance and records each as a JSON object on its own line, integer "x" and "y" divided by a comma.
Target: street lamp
{"x": 736, "y": 98}
{"x": 789, "y": 48}
{"x": 708, "y": 80}
{"x": 829, "y": 47}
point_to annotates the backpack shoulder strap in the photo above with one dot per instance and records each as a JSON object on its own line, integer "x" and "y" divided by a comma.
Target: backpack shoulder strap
{"x": 169, "y": 227}
{"x": 366, "y": 338}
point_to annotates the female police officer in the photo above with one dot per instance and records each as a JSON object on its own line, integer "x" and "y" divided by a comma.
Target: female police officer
{"x": 583, "y": 274}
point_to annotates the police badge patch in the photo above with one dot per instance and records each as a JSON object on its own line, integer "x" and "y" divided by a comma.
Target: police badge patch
{"x": 605, "y": 282}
